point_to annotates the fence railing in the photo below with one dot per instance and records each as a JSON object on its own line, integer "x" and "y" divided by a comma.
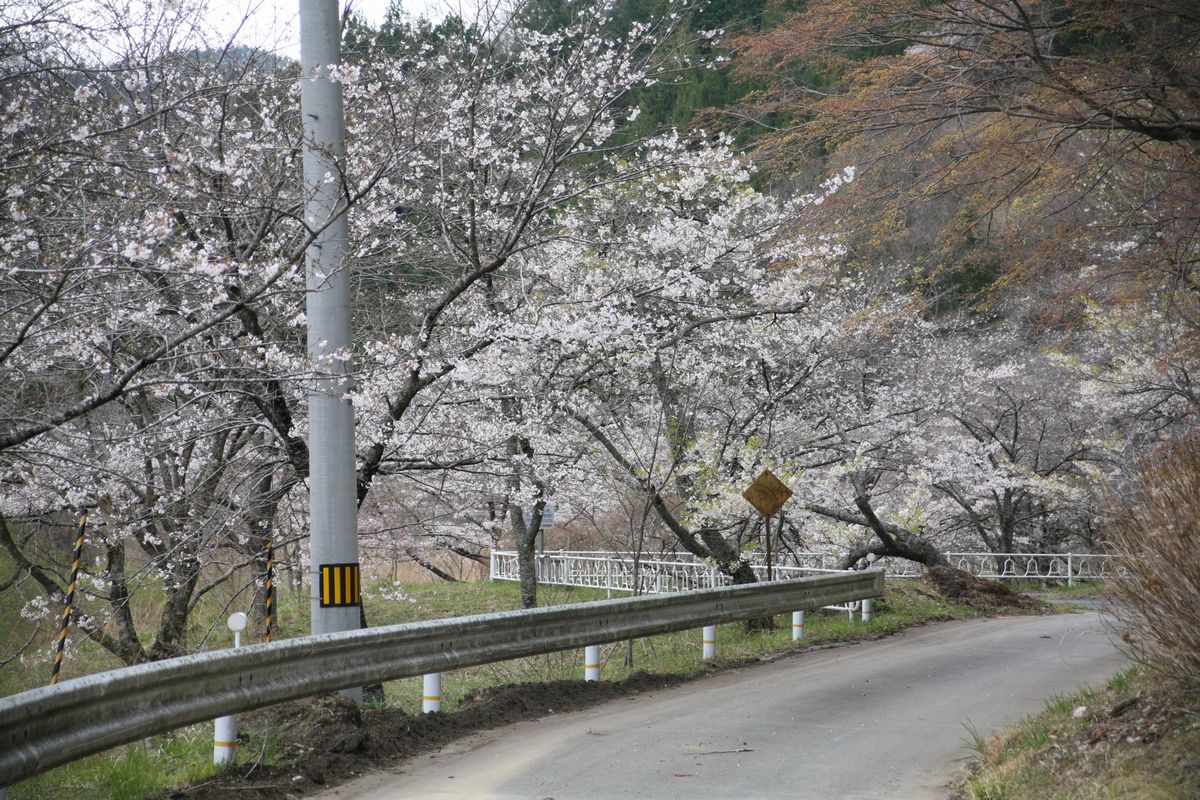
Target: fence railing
{"x": 1068, "y": 567}
{"x": 43, "y": 728}
{"x": 615, "y": 571}
{"x": 621, "y": 572}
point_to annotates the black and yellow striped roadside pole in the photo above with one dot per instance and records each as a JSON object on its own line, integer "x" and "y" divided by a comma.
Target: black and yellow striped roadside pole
{"x": 70, "y": 604}
{"x": 269, "y": 599}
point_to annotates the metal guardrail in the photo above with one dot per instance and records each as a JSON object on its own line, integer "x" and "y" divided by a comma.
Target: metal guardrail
{"x": 112, "y": 708}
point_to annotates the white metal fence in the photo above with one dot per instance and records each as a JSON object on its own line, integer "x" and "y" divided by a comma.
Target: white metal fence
{"x": 623, "y": 573}
{"x": 1068, "y": 567}
{"x": 614, "y": 571}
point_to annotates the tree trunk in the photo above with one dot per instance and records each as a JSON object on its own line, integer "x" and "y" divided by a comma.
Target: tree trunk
{"x": 130, "y": 646}
{"x": 899, "y": 545}
{"x": 429, "y": 565}
{"x": 892, "y": 540}
{"x": 729, "y": 560}
{"x": 172, "y": 639}
{"x": 527, "y": 572}
{"x": 524, "y": 534}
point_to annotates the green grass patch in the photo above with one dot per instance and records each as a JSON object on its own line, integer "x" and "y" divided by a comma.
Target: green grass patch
{"x": 148, "y": 768}
{"x": 1080, "y": 590}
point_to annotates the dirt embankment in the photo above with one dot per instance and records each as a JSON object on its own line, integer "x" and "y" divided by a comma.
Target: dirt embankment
{"x": 329, "y": 738}
{"x": 988, "y": 597}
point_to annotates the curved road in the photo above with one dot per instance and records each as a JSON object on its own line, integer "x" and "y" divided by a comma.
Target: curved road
{"x": 883, "y": 719}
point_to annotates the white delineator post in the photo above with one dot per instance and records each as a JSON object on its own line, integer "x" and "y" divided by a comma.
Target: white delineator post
{"x": 710, "y": 642}
{"x": 333, "y": 499}
{"x": 868, "y": 607}
{"x": 591, "y": 663}
{"x": 431, "y": 693}
{"x": 225, "y": 729}
{"x": 797, "y": 625}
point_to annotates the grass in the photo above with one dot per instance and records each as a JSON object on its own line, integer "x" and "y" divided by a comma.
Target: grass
{"x": 1135, "y": 738}
{"x": 1080, "y": 590}
{"x": 146, "y": 769}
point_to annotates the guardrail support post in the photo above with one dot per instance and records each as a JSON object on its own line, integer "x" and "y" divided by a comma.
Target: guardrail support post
{"x": 1070, "y": 576}
{"x": 591, "y": 663}
{"x": 797, "y": 625}
{"x": 225, "y": 729}
{"x": 710, "y": 642}
{"x": 225, "y": 735}
{"x": 868, "y": 606}
{"x": 431, "y": 693}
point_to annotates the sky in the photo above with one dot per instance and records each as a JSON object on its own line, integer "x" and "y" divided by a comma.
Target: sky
{"x": 274, "y": 24}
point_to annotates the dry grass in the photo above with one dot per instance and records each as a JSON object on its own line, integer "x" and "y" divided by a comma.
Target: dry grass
{"x": 1158, "y": 533}
{"x": 1133, "y": 739}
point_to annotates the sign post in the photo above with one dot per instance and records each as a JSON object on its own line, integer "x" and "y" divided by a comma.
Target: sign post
{"x": 768, "y": 494}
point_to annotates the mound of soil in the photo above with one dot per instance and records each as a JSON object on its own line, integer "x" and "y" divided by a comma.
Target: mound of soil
{"x": 329, "y": 739}
{"x": 990, "y": 597}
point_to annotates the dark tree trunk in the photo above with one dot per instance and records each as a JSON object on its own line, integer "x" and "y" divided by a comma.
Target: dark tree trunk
{"x": 891, "y": 541}
{"x": 910, "y": 547}
{"x": 261, "y": 523}
{"x": 131, "y": 651}
{"x": 729, "y": 560}
{"x": 524, "y": 533}
{"x": 172, "y": 637}
{"x": 527, "y": 572}
{"x": 429, "y": 565}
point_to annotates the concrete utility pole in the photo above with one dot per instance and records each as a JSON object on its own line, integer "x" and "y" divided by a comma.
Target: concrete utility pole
{"x": 333, "y": 542}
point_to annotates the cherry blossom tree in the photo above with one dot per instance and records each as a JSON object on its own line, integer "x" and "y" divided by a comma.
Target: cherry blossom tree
{"x": 666, "y": 329}
{"x": 152, "y": 241}
{"x": 974, "y": 437}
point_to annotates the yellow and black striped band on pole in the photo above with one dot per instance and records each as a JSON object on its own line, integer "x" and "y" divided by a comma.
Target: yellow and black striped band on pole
{"x": 339, "y": 585}
{"x": 69, "y": 606}
{"x": 269, "y": 599}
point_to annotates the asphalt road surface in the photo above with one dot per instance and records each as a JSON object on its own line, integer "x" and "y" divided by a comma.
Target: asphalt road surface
{"x": 884, "y": 719}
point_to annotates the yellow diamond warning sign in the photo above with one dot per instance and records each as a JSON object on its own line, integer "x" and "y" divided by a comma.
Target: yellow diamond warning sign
{"x": 767, "y": 493}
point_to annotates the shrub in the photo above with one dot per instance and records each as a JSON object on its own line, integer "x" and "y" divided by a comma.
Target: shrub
{"x": 1157, "y": 532}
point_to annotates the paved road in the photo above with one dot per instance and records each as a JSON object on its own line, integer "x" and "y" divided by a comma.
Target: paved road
{"x": 884, "y": 719}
